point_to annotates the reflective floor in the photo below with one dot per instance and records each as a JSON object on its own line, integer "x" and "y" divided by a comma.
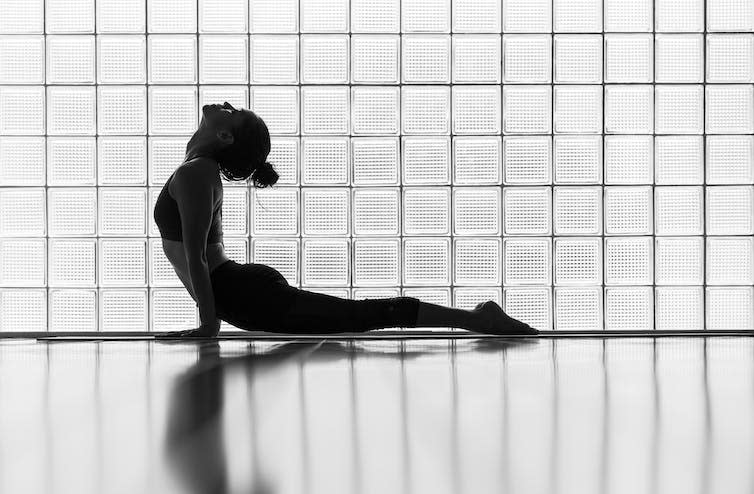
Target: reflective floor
{"x": 632, "y": 415}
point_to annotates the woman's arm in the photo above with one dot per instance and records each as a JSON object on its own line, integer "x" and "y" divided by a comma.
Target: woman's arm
{"x": 195, "y": 198}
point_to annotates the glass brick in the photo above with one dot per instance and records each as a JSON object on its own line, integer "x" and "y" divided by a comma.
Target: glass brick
{"x": 23, "y": 309}
{"x": 375, "y": 110}
{"x": 729, "y": 308}
{"x": 629, "y": 159}
{"x": 71, "y": 110}
{"x": 374, "y": 58}
{"x": 578, "y": 261}
{"x": 223, "y": 59}
{"x": 476, "y": 109}
{"x": 71, "y": 262}
{"x": 678, "y": 260}
{"x": 476, "y": 211}
{"x": 527, "y": 160}
{"x": 274, "y": 59}
{"x": 123, "y": 262}
{"x": 426, "y": 211}
{"x": 71, "y": 161}
{"x": 22, "y": 160}
{"x": 679, "y": 109}
{"x": 527, "y": 109}
{"x": 679, "y": 58}
{"x": 425, "y": 109}
{"x": 629, "y": 261}
{"x": 274, "y": 16}
{"x": 325, "y": 109}
{"x": 22, "y": 110}
{"x": 628, "y": 210}
{"x": 121, "y": 59}
{"x": 426, "y": 261}
{"x": 324, "y": 161}
{"x": 425, "y": 58}
{"x": 730, "y": 57}
{"x": 275, "y": 211}
{"x": 629, "y": 109}
{"x": 476, "y": 58}
{"x": 22, "y": 212}
{"x": 679, "y": 160}
{"x": 730, "y": 159}
{"x": 679, "y": 16}
{"x": 730, "y": 15}
{"x": 223, "y": 16}
{"x": 629, "y": 57}
{"x": 22, "y": 59}
{"x": 578, "y": 58}
{"x": 376, "y": 211}
{"x": 426, "y": 160}
{"x": 476, "y": 160}
{"x": 426, "y": 16}
{"x": 578, "y": 309}
{"x": 375, "y": 160}
{"x": 172, "y": 16}
{"x": 729, "y": 109}
{"x": 730, "y": 261}
{"x": 71, "y": 211}
{"x": 324, "y": 16}
{"x": 69, "y": 16}
{"x": 578, "y": 210}
{"x": 376, "y": 262}
{"x": 578, "y": 109}
{"x": 173, "y": 109}
{"x": 573, "y": 16}
{"x": 123, "y": 310}
{"x": 122, "y": 110}
{"x": 527, "y": 210}
{"x": 527, "y": 58}
{"x": 476, "y": 16}
{"x": 578, "y": 159}
{"x": 375, "y": 16}
{"x": 23, "y": 262}
{"x": 324, "y": 59}
{"x": 527, "y": 16}
{"x": 528, "y": 261}
{"x": 622, "y": 16}
{"x": 282, "y": 254}
{"x": 678, "y": 210}
{"x": 477, "y": 261}
{"x": 172, "y": 59}
{"x": 325, "y": 211}
{"x": 629, "y": 308}
{"x": 679, "y": 308}
{"x": 729, "y": 210}
{"x": 22, "y": 17}
{"x": 278, "y": 107}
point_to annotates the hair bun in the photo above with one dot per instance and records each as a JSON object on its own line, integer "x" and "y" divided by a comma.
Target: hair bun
{"x": 264, "y": 175}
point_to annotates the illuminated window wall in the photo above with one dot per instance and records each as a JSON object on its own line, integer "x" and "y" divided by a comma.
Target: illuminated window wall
{"x": 587, "y": 164}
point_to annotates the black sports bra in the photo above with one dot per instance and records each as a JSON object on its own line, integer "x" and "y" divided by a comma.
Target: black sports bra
{"x": 168, "y": 218}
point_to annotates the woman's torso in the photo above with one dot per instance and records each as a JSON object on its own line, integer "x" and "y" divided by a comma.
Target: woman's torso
{"x": 215, "y": 251}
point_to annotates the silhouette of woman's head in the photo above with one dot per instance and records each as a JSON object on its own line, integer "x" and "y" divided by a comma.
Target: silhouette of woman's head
{"x": 241, "y": 143}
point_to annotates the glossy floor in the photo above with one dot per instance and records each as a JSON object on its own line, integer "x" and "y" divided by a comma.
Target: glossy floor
{"x": 475, "y": 416}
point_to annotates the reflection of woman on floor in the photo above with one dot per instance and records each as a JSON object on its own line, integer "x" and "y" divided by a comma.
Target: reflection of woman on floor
{"x": 255, "y": 296}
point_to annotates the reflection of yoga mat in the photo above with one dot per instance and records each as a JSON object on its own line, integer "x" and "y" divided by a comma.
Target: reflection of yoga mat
{"x": 386, "y": 335}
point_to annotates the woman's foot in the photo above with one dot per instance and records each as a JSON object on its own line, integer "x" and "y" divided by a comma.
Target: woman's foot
{"x": 493, "y": 320}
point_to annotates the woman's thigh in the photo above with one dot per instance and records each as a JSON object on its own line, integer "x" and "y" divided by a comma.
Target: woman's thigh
{"x": 250, "y": 296}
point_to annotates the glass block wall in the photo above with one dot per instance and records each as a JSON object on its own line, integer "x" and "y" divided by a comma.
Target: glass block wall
{"x": 587, "y": 164}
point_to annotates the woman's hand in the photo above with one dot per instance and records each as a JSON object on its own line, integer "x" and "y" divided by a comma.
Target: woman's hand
{"x": 203, "y": 331}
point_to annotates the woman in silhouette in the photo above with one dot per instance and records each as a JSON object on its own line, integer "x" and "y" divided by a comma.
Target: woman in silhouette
{"x": 255, "y": 296}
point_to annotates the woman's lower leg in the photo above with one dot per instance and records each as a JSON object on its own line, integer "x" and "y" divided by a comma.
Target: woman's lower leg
{"x": 433, "y": 315}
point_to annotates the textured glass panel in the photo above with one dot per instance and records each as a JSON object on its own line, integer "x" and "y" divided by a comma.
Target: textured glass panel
{"x": 22, "y": 160}
{"x": 477, "y": 160}
{"x": 527, "y": 58}
{"x": 21, "y": 16}
{"x": 223, "y": 59}
{"x": 223, "y": 16}
{"x": 628, "y": 210}
{"x": 375, "y": 58}
{"x": 578, "y": 308}
{"x": 476, "y": 211}
{"x": 374, "y": 160}
{"x": 623, "y": 16}
{"x": 274, "y": 59}
{"x": 679, "y": 307}
{"x": 729, "y": 307}
{"x": 375, "y": 16}
{"x": 274, "y": 16}
{"x": 629, "y": 308}
{"x": 22, "y": 59}
{"x": 679, "y": 15}
{"x": 23, "y": 309}
{"x": 533, "y": 305}
{"x": 629, "y": 159}
{"x": 476, "y": 58}
{"x": 679, "y": 58}
{"x": 325, "y": 262}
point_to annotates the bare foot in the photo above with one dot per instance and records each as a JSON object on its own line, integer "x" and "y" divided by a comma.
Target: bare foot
{"x": 493, "y": 320}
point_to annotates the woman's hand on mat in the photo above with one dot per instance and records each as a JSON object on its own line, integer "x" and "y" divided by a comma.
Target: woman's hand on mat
{"x": 203, "y": 331}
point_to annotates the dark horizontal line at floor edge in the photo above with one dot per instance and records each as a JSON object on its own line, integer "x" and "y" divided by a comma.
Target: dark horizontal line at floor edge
{"x": 381, "y": 335}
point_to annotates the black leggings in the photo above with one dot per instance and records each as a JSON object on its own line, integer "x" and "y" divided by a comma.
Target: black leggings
{"x": 257, "y": 297}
